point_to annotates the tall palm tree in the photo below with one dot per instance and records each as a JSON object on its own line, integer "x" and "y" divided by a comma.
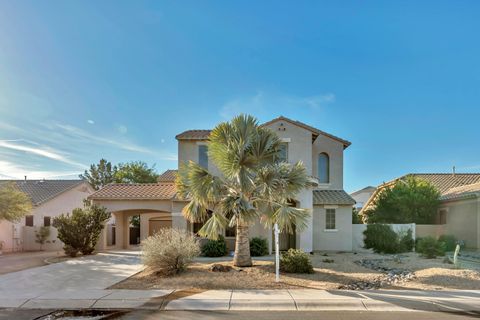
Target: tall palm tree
{"x": 252, "y": 185}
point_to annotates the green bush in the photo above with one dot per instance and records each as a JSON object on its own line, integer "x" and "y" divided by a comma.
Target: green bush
{"x": 258, "y": 247}
{"x": 449, "y": 241}
{"x": 215, "y": 248}
{"x": 382, "y": 239}
{"x": 295, "y": 261}
{"x": 430, "y": 248}
{"x": 80, "y": 230}
{"x": 406, "y": 241}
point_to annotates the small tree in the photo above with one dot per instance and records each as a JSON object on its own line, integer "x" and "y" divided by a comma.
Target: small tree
{"x": 14, "y": 204}
{"x": 135, "y": 172}
{"x": 42, "y": 235}
{"x": 80, "y": 230}
{"x": 100, "y": 174}
{"x": 410, "y": 200}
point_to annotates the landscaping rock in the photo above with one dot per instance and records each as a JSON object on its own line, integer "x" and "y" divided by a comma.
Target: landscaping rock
{"x": 391, "y": 276}
{"x": 220, "y": 268}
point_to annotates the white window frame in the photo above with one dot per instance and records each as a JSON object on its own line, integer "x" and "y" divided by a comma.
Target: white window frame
{"x": 327, "y": 229}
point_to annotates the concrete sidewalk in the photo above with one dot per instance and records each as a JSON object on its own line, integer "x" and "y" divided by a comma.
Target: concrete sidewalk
{"x": 251, "y": 300}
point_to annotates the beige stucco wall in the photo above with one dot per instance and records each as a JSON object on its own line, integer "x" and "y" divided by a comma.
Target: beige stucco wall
{"x": 463, "y": 221}
{"x": 188, "y": 151}
{"x": 339, "y": 240}
{"x": 299, "y": 142}
{"x": 334, "y": 149}
{"x": 432, "y": 230}
{"x": 25, "y": 239}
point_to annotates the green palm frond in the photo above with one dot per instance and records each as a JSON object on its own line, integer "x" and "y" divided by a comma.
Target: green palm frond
{"x": 290, "y": 218}
{"x": 213, "y": 226}
{"x": 195, "y": 212}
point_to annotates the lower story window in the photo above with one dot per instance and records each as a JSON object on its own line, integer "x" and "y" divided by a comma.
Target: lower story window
{"x": 46, "y": 221}
{"x": 330, "y": 223}
{"x": 29, "y": 221}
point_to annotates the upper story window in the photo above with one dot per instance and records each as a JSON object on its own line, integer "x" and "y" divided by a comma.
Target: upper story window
{"x": 203, "y": 156}
{"x": 282, "y": 155}
{"x": 323, "y": 168}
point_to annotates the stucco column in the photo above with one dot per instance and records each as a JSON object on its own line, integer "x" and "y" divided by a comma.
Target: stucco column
{"x": 144, "y": 226}
{"x": 178, "y": 221}
{"x": 305, "y": 237}
{"x": 119, "y": 230}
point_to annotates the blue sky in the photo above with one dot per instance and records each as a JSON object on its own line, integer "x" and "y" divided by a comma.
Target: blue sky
{"x": 82, "y": 80}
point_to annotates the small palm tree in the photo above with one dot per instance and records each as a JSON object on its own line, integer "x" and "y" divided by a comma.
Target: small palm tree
{"x": 252, "y": 185}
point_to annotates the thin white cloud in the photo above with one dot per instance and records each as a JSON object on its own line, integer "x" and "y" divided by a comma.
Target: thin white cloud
{"x": 91, "y": 121}
{"x": 9, "y": 170}
{"x": 88, "y": 137}
{"x": 38, "y": 150}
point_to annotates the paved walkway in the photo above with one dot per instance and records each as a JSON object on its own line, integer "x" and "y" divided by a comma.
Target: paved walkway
{"x": 11, "y": 262}
{"x": 81, "y": 283}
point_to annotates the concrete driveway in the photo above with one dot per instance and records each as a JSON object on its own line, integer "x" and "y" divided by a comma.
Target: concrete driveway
{"x": 95, "y": 272}
{"x": 17, "y": 261}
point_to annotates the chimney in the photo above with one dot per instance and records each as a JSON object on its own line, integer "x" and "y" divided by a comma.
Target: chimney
{"x": 453, "y": 171}
{"x": 25, "y": 178}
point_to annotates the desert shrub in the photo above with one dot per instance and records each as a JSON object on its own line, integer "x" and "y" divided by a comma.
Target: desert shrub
{"x": 449, "y": 241}
{"x": 80, "y": 230}
{"x": 381, "y": 238}
{"x": 295, "y": 261}
{"x": 258, "y": 247}
{"x": 170, "y": 250}
{"x": 430, "y": 248}
{"x": 406, "y": 241}
{"x": 215, "y": 248}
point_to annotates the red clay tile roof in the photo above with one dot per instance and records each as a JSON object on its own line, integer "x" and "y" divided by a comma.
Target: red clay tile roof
{"x": 203, "y": 134}
{"x": 168, "y": 176}
{"x": 135, "y": 191}
{"x": 193, "y": 135}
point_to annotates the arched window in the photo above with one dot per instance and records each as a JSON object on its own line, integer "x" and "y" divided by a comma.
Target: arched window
{"x": 323, "y": 168}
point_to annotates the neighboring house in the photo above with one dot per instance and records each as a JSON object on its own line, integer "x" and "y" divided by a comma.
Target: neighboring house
{"x": 328, "y": 228}
{"x": 459, "y": 211}
{"x": 361, "y": 196}
{"x": 49, "y": 198}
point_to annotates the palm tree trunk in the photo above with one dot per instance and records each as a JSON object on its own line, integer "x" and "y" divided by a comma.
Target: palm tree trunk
{"x": 242, "y": 246}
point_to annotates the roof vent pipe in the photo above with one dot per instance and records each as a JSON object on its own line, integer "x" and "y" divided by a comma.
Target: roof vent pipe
{"x": 453, "y": 172}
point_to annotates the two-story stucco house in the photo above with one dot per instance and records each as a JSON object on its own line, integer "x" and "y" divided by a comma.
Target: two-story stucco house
{"x": 330, "y": 223}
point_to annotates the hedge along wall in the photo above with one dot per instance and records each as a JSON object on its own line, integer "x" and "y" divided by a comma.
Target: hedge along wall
{"x": 357, "y": 236}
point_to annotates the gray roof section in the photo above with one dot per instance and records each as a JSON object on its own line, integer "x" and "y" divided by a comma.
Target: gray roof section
{"x": 338, "y": 197}
{"x": 41, "y": 191}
